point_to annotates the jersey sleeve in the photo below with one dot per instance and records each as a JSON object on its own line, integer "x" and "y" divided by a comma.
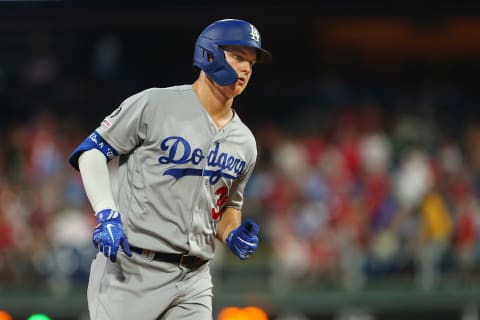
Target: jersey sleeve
{"x": 119, "y": 132}
{"x": 125, "y": 128}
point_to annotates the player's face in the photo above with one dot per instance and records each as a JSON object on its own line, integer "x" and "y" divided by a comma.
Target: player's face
{"x": 242, "y": 60}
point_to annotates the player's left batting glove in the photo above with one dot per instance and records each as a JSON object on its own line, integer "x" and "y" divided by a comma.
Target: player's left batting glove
{"x": 108, "y": 235}
{"x": 243, "y": 241}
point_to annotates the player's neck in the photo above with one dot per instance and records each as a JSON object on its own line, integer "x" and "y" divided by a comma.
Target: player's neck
{"x": 218, "y": 106}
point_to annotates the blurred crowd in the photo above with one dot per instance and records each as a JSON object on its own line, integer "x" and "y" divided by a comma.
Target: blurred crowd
{"x": 347, "y": 191}
{"x": 45, "y": 225}
{"x": 364, "y": 203}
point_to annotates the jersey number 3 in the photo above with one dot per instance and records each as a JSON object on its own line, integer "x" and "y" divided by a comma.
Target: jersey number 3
{"x": 222, "y": 197}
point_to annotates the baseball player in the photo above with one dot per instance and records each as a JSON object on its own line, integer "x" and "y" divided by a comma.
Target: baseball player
{"x": 184, "y": 160}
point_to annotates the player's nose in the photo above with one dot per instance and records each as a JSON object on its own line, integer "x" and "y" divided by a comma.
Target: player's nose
{"x": 246, "y": 68}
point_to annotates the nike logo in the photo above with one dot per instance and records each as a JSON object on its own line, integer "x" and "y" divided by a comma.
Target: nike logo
{"x": 251, "y": 244}
{"x": 109, "y": 228}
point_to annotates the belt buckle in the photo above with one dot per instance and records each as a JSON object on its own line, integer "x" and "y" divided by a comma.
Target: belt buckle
{"x": 148, "y": 254}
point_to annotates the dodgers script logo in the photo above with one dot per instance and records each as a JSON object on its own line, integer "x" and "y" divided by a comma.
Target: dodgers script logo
{"x": 179, "y": 151}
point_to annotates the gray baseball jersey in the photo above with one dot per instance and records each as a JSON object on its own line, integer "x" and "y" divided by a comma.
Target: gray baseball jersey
{"x": 176, "y": 169}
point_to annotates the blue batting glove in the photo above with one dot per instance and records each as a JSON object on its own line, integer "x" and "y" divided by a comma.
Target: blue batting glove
{"x": 108, "y": 235}
{"x": 243, "y": 241}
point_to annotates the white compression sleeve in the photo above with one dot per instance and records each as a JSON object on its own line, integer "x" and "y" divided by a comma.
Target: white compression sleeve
{"x": 96, "y": 180}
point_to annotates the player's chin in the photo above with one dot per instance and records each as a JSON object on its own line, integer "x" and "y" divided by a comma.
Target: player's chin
{"x": 237, "y": 88}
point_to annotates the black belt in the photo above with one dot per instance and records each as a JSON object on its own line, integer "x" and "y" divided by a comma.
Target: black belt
{"x": 191, "y": 262}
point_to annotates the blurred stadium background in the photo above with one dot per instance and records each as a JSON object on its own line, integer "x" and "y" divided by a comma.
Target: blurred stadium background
{"x": 368, "y": 181}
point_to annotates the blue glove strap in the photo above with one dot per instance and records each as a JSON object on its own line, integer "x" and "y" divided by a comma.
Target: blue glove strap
{"x": 109, "y": 215}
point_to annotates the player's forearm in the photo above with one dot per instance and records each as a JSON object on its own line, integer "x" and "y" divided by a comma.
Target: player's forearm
{"x": 96, "y": 180}
{"x": 231, "y": 219}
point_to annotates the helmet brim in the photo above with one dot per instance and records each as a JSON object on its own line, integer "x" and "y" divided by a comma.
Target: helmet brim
{"x": 263, "y": 56}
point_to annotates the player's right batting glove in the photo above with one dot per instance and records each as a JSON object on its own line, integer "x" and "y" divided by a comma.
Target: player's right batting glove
{"x": 243, "y": 241}
{"x": 108, "y": 235}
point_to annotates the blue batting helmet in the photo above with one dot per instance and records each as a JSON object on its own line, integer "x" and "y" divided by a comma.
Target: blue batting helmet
{"x": 223, "y": 33}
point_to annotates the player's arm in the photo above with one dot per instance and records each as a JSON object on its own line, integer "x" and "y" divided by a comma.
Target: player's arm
{"x": 96, "y": 180}
{"x": 91, "y": 160}
{"x": 120, "y": 132}
{"x": 240, "y": 237}
{"x": 230, "y": 220}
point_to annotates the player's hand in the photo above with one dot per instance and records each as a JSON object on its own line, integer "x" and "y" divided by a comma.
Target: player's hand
{"x": 243, "y": 241}
{"x": 108, "y": 235}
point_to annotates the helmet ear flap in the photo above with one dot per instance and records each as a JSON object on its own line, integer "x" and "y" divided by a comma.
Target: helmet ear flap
{"x": 207, "y": 56}
{"x": 211, "y": 59}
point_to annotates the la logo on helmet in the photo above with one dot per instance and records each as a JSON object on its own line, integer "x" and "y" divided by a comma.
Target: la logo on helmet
{"x": 254, "y": 34}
